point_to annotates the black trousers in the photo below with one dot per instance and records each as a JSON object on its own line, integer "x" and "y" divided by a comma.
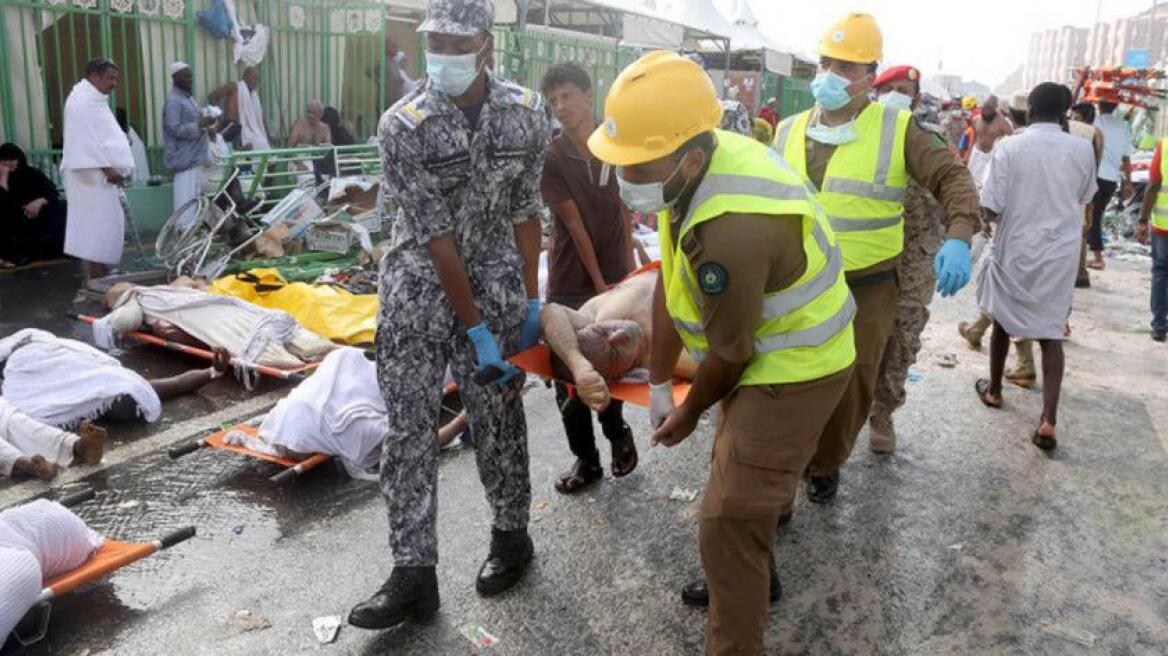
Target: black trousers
{"x": 1098, "y": 205}
{"x": 577, "y": 419}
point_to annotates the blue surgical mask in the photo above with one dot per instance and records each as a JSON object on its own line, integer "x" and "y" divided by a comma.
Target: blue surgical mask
{"x": 897, "y": 100}
{"x": 834, "y": 135}
{"x": 831, "y": 90}
{"x": 452, "y": 74}
{"x": 647, "y": 198}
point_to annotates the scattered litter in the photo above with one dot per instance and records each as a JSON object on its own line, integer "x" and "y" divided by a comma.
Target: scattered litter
{"x": 244, "y": 621}
{"x": 478, "y": 636}
{"x": 541, "y": 505}
{"x": 1138, "y": 327}
{"x": 129, "y": 504}
{"x": 326, "y": 628}
{"x": 947, "y": 359}
{"x": 957, "y": 547}
{"x": 683, "y": 494}
{"x": 914, "y": 376}
{"x": 1070, "y": 633}
{"x": 238, "y": 530}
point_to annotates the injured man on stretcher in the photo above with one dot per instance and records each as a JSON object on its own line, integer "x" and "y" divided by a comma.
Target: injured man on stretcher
{"x": 337, "y": 411}
{"x": 49, "y": 385}
{"x": 607, "y": 339}
{"x": 185, "y": 315}
{"x": 38, "y": 541}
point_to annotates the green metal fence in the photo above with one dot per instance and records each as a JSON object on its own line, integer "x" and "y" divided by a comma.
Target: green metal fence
{"x": 795, "y": 96}
{"x": 333, "y": 51}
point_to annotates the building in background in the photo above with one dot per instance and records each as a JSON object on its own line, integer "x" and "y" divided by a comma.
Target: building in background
{"x": 1054, "y": 53}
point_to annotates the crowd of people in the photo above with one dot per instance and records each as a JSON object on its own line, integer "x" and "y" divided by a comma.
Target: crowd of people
{"x": 798, "y": 259}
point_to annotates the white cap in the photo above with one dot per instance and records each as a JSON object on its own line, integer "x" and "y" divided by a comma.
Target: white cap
{"x": 178, "y": 66}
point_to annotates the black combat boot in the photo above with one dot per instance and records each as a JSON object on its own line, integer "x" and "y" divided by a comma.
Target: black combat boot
{"x": 822, "y": 489}
{"x": 410, "y": 593}
{"x": 697, "y": 593}
{"x": 510, "y": 553}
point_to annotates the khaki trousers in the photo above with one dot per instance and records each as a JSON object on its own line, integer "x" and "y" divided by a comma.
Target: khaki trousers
{"x": 765, "y": 438}
{"x": 876, "y": 306}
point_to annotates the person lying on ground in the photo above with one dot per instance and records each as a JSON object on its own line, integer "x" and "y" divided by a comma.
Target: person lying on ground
{"x": 33, "y": 364}
{"x": 338, "y": 411}
{"x": 30, "y": 447}
{"x": 38, "y": 541}
{"x": 250, "y": 333}
{"x": 607, "y": 338}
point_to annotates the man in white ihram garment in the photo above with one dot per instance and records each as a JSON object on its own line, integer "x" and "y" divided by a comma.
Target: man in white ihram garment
{"x": 38, "y": 541}
{"x": 250, "y": 333}
{"x": 1034, "y": 192}
{"x": 95, "y": 162}
{"x": 241, "y": 103}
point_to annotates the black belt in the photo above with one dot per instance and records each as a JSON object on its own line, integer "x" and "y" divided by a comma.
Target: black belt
{"x": 872, "y": 279}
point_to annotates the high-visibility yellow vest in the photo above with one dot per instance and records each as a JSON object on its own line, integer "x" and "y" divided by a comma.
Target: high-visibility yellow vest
{"x": 1160, "y": 211}
{"x": 863, "y": 187}
{"x": 805, "y": 331}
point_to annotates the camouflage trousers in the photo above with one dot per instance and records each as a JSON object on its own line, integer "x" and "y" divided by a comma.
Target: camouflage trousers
{"x": 899, "y": 354}
{"x": 410, "y": 371}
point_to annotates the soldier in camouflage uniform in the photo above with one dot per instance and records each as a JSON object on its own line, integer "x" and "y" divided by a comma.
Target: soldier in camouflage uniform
{"x": 735, "y": 117}
{"x": 924, "y": 231}
{"x": 462, "y": 158}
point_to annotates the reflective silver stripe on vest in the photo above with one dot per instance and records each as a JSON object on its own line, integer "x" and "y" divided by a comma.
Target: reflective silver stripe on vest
{"x": 841, "y": 224}
{"x": 784, "y": 132}
{"x": 1160, "y": 211}
{"x": 745, "y": 185}
{"x": 878, "y": 189}
{"x": 812, "y": 336}
{"x": 694, "y": 329}
{"x": 788, "y": 300}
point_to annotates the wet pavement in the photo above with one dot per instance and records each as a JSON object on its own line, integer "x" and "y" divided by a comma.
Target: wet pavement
{"x": 967, "y": 541}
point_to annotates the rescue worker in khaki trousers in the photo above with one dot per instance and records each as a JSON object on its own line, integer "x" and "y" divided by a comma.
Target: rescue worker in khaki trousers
{"x": 860, "y": 157}
{"x": 462, "y": 157}
{"x": 924, "y": 223}
{"x": 752, "y": 285}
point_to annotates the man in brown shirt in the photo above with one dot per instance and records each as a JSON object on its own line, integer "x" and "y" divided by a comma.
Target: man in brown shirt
{"x": 591, "y": 250}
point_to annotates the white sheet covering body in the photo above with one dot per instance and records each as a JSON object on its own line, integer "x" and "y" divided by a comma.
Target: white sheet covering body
{"x": 38, "y": 541}
{"x": 36, "y": 362}
{"x": 95, "y": 224}
{"x": 1038, "y": 182}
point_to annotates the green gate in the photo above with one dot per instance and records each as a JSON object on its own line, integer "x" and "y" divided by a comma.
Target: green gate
{"x": 318, "y": 49}
{"x": 526, "y": 56}
{"x": 796, "y": 96}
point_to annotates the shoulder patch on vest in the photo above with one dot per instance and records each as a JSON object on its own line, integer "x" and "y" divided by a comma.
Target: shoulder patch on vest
{"x": 713, "y": 278}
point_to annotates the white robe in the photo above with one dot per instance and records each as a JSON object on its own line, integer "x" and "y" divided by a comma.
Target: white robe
{"x": 1038, "y": 182}
{"x": 33, "y": 375}
{"x": 21, "y": 436}
{"x": 249, "y": 332}
{"x": 95, "y": 223}
{"x": 141, "y": 160}
{"x": 251, "y": 118}
{"x": 38, "y": 541}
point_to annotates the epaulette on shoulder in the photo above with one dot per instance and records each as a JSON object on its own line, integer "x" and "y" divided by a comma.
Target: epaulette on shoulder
{"x": 521, "y": 95}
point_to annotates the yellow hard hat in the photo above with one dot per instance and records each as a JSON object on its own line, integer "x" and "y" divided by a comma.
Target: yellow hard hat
{"x": 654, "y": 106}
{"x": 854, "y": 38}
{"x": 969, "y": 102}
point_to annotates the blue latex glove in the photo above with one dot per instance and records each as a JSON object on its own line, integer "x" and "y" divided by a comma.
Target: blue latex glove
{"x": 487, "y": 354}
{"x": 531, "y": 328}
{"x": 952, "y": 267}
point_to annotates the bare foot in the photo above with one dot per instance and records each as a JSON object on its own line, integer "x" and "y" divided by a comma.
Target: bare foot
{"x": 90, "y": 448}
{"x": 36, "y": 466}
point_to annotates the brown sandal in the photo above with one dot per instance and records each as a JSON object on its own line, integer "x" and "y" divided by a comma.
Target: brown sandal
{"x": 982, "y": 386}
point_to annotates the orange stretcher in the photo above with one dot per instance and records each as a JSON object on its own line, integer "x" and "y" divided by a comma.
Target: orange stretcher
{"x": 110, "y": 557}
{"x": 538, "y": 360}
{"x": 295, "y": 374}
{"x": 292, "y": 468}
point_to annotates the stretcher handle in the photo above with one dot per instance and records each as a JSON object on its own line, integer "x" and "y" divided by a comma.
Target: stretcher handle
{"x": 181, "y": 535}
{"x": 77, "y": 498}
{"x": 176, "y": 452}
{"x": 284, "y": 476}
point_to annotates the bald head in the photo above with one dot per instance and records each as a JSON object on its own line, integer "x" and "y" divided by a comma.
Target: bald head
{"x": 613, "y": 347}
{"x": 115, "y": 293}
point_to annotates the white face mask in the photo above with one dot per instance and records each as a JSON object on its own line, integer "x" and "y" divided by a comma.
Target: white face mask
{"x": 897, "y": 100}
{"x": 835, "y": 135}
{"x": 453, "y": 74}
{"x": 648, "y": 198}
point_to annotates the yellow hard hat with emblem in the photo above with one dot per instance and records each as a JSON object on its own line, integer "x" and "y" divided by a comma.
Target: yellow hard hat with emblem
{"x": 655, "y": 105}
{"x": 854, "y": 38}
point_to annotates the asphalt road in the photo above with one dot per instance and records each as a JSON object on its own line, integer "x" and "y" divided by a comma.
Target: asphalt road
{"x": 967, "y": 541}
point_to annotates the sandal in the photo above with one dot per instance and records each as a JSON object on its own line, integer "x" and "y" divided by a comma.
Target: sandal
{"x": 982, "y": 386}
{"x": 1044, "y": 442}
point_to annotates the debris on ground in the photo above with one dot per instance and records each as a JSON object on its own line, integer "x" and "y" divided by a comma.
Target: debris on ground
{"x": 683, "y": 494}
{"x": 915, "y": 376}
{"x": 1070, "y": 633}
{"x": 326, "y": 628}
{"x": 238, "y": 530}
{"x": 244, "y": 621}
{"x": 957, "y": 547}
{"x": 478, "y": 636}
{"x": 947, "y": 359}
